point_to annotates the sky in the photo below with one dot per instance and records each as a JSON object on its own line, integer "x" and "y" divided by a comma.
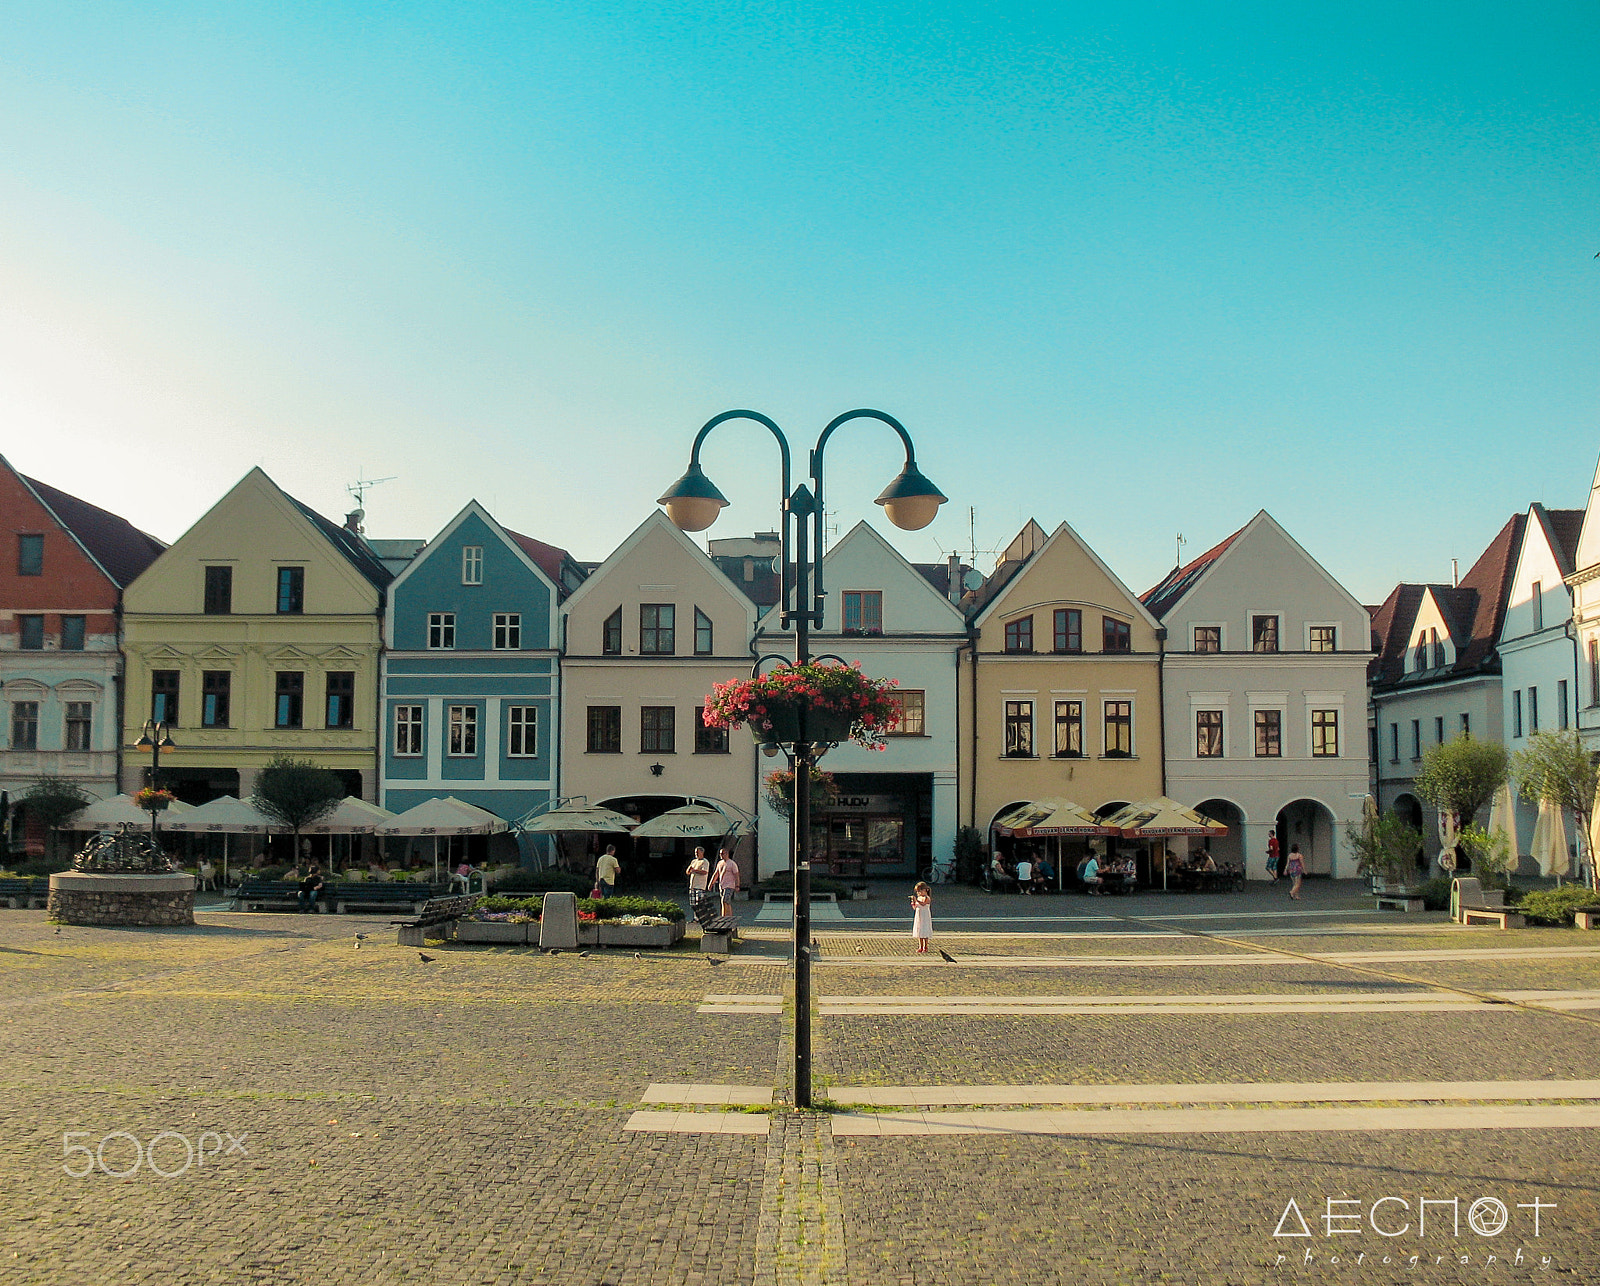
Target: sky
{"x": 1143, "y": 267}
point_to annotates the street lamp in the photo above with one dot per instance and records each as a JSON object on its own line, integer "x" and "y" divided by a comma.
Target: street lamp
{"x": 693, "y": 503}
{"x": 154, "y": 736}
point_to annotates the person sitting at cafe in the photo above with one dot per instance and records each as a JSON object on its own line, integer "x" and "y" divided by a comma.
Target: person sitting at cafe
{"x": 1044, "y": 875}
{"x": 1203, "y": 861}
{"x": 1000, "y": 874}
{"x": 1024, "y": 875}
{"x": 1090, "y": 874}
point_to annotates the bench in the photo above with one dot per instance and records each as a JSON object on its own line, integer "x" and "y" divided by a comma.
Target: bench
{"x": 436, "y": 918}
{"x": 1400, "y": 901}
{"x": 22, "y": 891}
{"x": 717, "y": 931}
{"x": 1473, "y": 904}
{"x": 381, "y": 897}
{"x": 253, "y": 895}
{"x": 1499, "y": 915}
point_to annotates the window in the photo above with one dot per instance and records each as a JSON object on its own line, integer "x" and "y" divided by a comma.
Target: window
{"x": 1372, "y": 744}
{"x": 1516, "y": 713}
{"x": 708, "y": 741}
{"x": 407, "y": 731}
{"x": 702, "y": 633}
{"x": 1069, "y": 729}
{"x": 291, "y": 590}
{"x": 611, "y": 634}
{"x": 1019, "y": 727}
{"x": 30, "y": 633}
{"x": 164, "y": 697}
{"x": 1438, "y": 729}
{"x": 522, "y": 732}
{"x": 1394, "y": 743}
{"x": 1208, "y": 734}
{"x": 1437, "y": 648}
{"x": 1119, "y": 729}
{"x": 507, "y": 631}
{"x": 441, "y": 629}
{"x": 78, "y": 724}
{"x": 1324, "y": 638}
{"x": 1208, "y": 638}
{"x": 24, "y": 725}
{"x": 73, "y": 631}
{"x": 1264, "y": 633}
{"x": 472, "y": 564}
{"x": 1562, "y": 720}
{"x": 219, "y": 591}
{"x": 863, "y": 611}
{"x": 289, "y": 699}
{"x": 1324, "y": 734}
{"x": 1069, "y": 630}
{"x": 657, "y": 730}
{"x": 657, "y": 637}
{"x": 1416, "y": 739}
{"x": 913, "y": 710}
{"x": 341, "y": 703}
{"x": 605, "y": 730}
{"x": 1269, "y": 734}
{"x": 216, "y": 691}
{"x": 1594, "y": 672}
{"x": 1537, "y": 604}
{"x": 30, "y": 555}
{"x": 1116, "y": 635}
{"x": 1420, "y": 658}
{"x": 1019, "y": 635}
{"x": 1533, "y": 710}
{"x": 463, "y": 724}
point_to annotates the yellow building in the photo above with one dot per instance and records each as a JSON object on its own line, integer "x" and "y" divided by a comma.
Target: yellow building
{"x": 257, "y": 633}
{"x": 1062, "y": 690}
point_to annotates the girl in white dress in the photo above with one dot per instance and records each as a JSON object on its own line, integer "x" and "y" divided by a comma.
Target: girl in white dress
{"x": 922, "y": 915}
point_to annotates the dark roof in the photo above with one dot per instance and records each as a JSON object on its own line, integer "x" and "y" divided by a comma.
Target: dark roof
{"x": 1563, "y": 526}
{"x": 115, "y": 543}
{"x": 1474, "y": 611}
{"x": 349, "y": 544}
{"x": 564, "y": 571}
{"x": 1162, "y": 598}
{"x": 763, "y": 588}
{"x": 938, "y": 575}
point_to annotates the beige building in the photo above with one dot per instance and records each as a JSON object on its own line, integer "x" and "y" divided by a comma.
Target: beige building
{"x": 1062, "y": 690}
{"x": 645, "y": 638}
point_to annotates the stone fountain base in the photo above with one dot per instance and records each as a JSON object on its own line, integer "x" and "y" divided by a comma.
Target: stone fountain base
{"x": 88, "y": 897}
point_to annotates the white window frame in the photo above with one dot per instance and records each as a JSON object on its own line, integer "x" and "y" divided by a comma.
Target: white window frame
{"x": 1032, "y": 699}
{"x": 472, "y": 564}
{"x": 441, "y": 631}
{"x": 66, "y": 727}
{"x": 523, "y": 720}
{"x": 1131, "y": 697}
{"x": 507, "y": 631}
{"x": 1250, "y": 627}
{"x": 408, "y": 717}
{"x": 462, "y": 719}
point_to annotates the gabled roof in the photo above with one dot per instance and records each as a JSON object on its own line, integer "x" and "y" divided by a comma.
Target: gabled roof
{"x": 1028, "y": 545}
{"x": 1474, "y": 611}
{"x": 564, "y": 571}
{"x": 121, "y": 549}
{"x": 347, "y": 543}
{"x": 1164, "y": 596}
{"x": 1562, "y": 529}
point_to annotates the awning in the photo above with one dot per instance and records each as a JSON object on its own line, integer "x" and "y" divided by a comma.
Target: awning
{"x": 1047, "y": 817}
{"x": 1151, "y": 818}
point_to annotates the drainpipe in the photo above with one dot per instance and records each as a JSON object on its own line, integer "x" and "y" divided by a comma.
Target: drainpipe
{"x": 1571, "y": 629}
{"x": 972, "y": 755}
{"x": 1161, "y": 699}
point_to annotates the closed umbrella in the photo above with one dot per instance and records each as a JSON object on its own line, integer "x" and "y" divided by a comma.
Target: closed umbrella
{"x": 1449, "y": 833}
{"x": 1503, "y": 823}
{"x": 227, "y": 817}
{"x": 1550, "y": 840}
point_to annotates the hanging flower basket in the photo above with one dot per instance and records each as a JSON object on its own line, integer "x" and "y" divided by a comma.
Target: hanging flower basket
{"x": 153, "y": 801}
{"x": 778, "y": 788}
{"x": 841, "y": 704}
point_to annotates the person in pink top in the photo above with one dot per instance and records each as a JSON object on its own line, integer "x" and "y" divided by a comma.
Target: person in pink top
{"x": 726, "y": 878}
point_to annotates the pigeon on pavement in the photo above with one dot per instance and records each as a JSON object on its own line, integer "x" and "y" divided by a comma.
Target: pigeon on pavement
{"x": 948, "y": 958}
{"x": 583, "y": 955}
{"x": 424, "y": 959}
{"x": 712, "y": 960}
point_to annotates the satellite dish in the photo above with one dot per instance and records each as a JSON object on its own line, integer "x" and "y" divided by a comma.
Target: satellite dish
{"x": 972, "y": 579}
{"x": 776, "y": 566}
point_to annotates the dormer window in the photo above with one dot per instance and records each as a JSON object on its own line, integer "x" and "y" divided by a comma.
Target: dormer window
{"x": 1420, "y": 660}
{"x": 1437, "y": 648}
{"x": 863, "y": 611}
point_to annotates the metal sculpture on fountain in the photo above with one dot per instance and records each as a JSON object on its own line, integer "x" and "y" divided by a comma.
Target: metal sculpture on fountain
{"x": 125, "y": 851}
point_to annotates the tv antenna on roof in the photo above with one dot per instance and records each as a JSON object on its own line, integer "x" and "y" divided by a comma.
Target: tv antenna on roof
{"x": 1181, "y": 543}
{"x": 358, "y": 488}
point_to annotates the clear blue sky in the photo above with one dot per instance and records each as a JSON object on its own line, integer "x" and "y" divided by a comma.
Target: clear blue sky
{"x": 1144, "y": 267}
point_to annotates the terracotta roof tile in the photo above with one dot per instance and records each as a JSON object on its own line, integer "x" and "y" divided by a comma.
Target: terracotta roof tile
{"x": 1163, "y": 597}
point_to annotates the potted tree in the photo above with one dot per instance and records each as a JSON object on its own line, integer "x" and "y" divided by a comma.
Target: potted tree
{"x": 1386, "y": 849}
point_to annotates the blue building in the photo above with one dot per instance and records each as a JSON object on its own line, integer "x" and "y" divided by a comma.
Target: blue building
{"x": 470, "y": 681}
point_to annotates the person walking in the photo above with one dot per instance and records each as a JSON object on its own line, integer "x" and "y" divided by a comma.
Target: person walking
{"x": 726, "y": 878}
{"x": 1272, "y": 856}
{"x": 606, "y": 871}
{"x": 922, "y": 916}
{"x": 1296, "y": 870}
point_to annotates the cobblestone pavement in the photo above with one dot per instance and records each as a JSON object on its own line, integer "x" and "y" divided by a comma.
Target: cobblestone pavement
{"x": 363, "y": 1116}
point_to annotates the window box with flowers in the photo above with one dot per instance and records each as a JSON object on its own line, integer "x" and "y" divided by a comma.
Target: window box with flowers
{"x": 841, "y": 704}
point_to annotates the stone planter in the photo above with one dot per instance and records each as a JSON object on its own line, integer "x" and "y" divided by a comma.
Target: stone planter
{"x": 493, "y": 931}
{"x": 88, "y": 897}
{"x": 639, "y": 935}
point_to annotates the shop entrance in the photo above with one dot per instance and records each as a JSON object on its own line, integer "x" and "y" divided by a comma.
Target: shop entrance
{"x": 879, "y": 825}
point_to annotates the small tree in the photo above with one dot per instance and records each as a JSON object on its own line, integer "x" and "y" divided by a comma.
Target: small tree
{"x": 1386, "y": 847}
{"x": 971, "y": 855}
{"x": 1490, "y": 854}
{"x": 1555, "y": 766}
{"x": 295, "y": 793}
{"x": 52, "y": 800}
{"x": 1461, "y": 776}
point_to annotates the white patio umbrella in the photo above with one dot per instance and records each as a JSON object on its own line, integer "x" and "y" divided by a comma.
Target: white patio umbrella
{"x": 1449, "y": 833}
{"x": 446, "y": 816}
{"x": 1503, "y": 823}
{"x": 594, "y": 821}
{"x": 1550, "y": 840}
{"x": 351, "y": 816}
{"x": 691, "y": 821}
{"x": 227, "y": 817}
{"x": 104, "y": 814}
{"x": 1594, "y": 830}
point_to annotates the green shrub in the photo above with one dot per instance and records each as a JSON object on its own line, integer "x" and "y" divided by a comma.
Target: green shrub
{"x": 1555, "y": 906}
{"x": 1436, "y": 894}
{"x": 43, "y": 866}
{"x": 548, "y": 881}
{"x": 783, "y": 882}
{"x": 604, "y": 909}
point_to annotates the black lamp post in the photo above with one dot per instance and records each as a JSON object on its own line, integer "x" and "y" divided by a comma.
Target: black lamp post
{"x": 154, "y": 735}
{"x": 693, "y": 503}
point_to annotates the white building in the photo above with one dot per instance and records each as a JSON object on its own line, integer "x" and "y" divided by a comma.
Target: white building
{"x": 1265, "y": 697}
{"x": 1584, "y": 582}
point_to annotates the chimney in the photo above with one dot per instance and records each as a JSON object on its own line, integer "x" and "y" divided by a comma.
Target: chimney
{"x": 952, "y": 584}
{"x": 352, "y": 521}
